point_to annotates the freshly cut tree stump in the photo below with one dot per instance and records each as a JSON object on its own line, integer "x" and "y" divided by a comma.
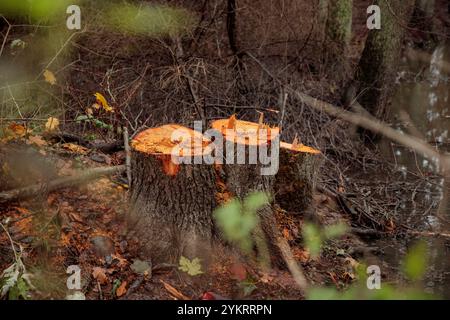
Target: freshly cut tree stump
{"x": 297, "y": 176}
{"x": 171, "y": 202}
{"x": 245, "y": 172}
{"x": 291, "y": 178}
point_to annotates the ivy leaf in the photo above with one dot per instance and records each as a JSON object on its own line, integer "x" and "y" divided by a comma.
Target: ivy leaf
{"x": 192, "y": 268}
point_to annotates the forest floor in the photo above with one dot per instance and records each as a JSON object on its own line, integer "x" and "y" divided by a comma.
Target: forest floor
{"x": 85, "y": 226}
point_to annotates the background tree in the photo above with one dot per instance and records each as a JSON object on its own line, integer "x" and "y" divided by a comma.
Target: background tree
{"x": 375, "y": 75}
{"x": 338, "y": 32}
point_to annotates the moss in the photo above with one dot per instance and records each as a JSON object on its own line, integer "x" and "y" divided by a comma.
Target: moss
{"x": 339, "y": 26}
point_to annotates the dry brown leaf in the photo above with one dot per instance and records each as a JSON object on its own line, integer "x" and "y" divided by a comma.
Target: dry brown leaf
{"x": 75, "y": 148}
{"x": 37, "y": 140}
{"x": 122, "y": 289}
{"x": 52, "y": 124}
{"x": 238, "y": 271}
{"x": 49, "y": 77}
{"x": 17, "y": 130}
{"x": 100, "y": 275}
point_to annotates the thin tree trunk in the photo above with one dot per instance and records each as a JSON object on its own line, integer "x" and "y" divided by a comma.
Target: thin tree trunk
{"x": 338, "y": 34}
{"x": 375, "y": 76}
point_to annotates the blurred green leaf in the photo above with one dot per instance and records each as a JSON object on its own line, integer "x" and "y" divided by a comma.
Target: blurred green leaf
{"x": 334, "y": 231}
{"x": 149, "y": 20}
{"x": 415, "y": 261}
{"x": 36, "y": 10}
{"x": 238, "y": 220}
{"x": 312, "y": 239}
{"x": 255, "y": 201}
{"x": 323, "y": 294}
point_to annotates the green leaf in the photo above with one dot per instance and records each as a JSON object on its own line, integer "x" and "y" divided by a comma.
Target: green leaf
{"x": 323, "y": 294}
{"x": 334, "y": 231}
{"x": 236, "y": 224}
{"x": 82, "y": 118}
{"x": 116, "y": 285}
{"x": 149, "y": 20}
{"x": 255, "y": 201}
{"x": 192, "y": 268}
{"x": 312, "y": 239}
{"x": 415, "y": 261}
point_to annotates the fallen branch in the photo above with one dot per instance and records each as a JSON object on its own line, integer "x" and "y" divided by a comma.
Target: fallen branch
{"x": 366, "y": 121}
{"x": 64, "y": 182}
{"x": 377, "y": 233}
{"x": 105, "y": 147}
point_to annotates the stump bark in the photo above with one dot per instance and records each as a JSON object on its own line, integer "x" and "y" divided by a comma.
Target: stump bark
{"x": 243, "y": 143}
{"x": 297, "y": 177}
{"x": 171, "y": 203}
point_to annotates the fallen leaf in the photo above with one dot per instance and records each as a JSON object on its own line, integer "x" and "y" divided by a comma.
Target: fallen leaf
{"x": 192, "y": 268}
{"x": 99, "y": 274}
{"x": 122, "y": 289}
{"x": 101, "y": 100}
{"x": 238, "y": 271}
{"x": 49, "y": 77}
{"x": 122, "y": 262}
{"x": 75, "y": 148}
{"x": 52, "y": 124}
{"x": 17, "y": 129}
{"x": 140, "y": 267}
{"x": 37, "y": 140}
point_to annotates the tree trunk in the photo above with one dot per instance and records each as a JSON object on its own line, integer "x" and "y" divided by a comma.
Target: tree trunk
{"x": 338, "y": 34}
{"x": 171, "y": 204}
{"x": 422, "y": 21}
{"x": 296, "y": 178}
{"x": 375, "y": 76}
{"x": 243, "y": 176}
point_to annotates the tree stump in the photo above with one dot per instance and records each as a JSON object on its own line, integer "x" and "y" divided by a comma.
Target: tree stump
{"x": 171, "y": 202}
{"x": 244, "y": 171}
{"x": 297, "y": 176}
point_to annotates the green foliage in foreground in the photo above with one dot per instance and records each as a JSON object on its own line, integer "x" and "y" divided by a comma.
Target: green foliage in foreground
{"x": 148, "y": 20}
{"x": 238, "y": 219}
{"x": 414, "y": 266}
{"x": 35, "y": 10}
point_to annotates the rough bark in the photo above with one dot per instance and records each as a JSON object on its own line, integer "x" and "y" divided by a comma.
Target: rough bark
{"x": 171, "y": 214}
{"x": 244, "y": 179}
{"x": 375, "y": 76}
{"x": 338, "y": 34}
{"x": 296, "y": 180}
